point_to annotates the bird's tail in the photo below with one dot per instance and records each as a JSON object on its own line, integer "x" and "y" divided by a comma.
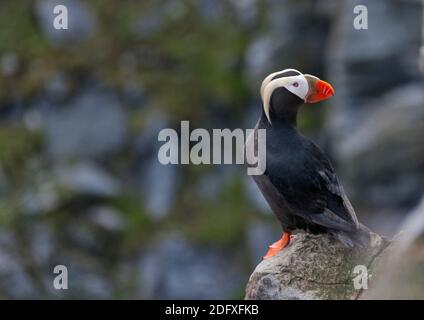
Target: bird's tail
{"x": 359, "y": 237}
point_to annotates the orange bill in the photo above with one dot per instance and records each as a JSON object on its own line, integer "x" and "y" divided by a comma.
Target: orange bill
{"x": 323, "y": 90}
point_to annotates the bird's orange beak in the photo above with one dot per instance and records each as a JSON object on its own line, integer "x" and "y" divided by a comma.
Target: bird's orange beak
{"x": 320, "y": 91}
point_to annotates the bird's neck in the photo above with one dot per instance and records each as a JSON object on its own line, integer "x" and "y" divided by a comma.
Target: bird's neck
{"x": 284, "y": 107}
{"x": 285, "y": 117}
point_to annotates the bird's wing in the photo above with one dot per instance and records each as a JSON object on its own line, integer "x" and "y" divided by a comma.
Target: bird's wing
{"x": 336, "y": 189}
{"x": 315, "y": 194}
{"x": 337, "y": 200}
{"x": 284, "y": 204}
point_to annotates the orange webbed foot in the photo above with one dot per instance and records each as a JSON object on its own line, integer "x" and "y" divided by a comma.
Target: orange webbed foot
{"x": 279, "y": 245}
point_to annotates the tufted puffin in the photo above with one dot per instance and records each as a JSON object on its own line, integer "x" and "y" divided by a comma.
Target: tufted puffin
{"x": 299, "y": 183}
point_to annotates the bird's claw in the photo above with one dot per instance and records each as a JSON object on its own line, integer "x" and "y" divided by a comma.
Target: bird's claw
{"x": 278, "y": 246}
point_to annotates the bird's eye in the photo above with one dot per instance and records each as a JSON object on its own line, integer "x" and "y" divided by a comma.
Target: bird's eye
{"x": 295, "y": 84}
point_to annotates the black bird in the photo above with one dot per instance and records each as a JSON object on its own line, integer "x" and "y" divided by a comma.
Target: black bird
{"x": 299, "y": 182}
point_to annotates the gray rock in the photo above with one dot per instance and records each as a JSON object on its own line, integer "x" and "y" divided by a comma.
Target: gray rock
{"x": 376, "y": 126}
{"x": 57, "y": 87}
{"x": 259, "y": 58}
{"x": 210, "y": 10}
{"x": 246, "y": 11}
{"x": 87, "y": 178}
{"x": 133, "y": 95}
{"x": 33, "y": 119}
{"x": 382, "y": 157}
{"x": 91, "y": 126}
{"x": 107, "y": 218}
{"x": 159, "y": 186}
{"x": 82, "y": 236}
{"x": 89, "y": 284}
{"x": 146, "y": 142}
{"x": 8, "y": 262}
{"x": 383, "y": 38}
{"x": 421, "y": 62}
{"x": 81, "y": 22}
{"x": 158, "y": 183}
{"x": 176, "y": 269}
{"x": 366, "y": 63}
{"x": 42, "y": 244}
{"x": 279, "y": 47}
{"x": 312, "y": 267}
{"x": 18, "y": 285}
{"x": 41, "y": 200}
{"x": 15, "y": 283}
{"x": 401, "y": 274}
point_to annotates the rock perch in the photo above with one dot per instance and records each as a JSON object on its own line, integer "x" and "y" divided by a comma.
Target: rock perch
{"x": 315, "y": 267}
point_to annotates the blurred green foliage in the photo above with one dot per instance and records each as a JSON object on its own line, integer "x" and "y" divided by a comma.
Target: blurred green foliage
{"x": 188, "y": 67}
{"x": 17, "y": 144}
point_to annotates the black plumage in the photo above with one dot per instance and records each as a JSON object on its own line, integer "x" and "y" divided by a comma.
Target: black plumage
{"x": 299, "y": 183}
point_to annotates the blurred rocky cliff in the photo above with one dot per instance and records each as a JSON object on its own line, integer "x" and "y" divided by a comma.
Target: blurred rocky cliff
{"x": 377, "y": 121}
{"x": 80, "y": 111}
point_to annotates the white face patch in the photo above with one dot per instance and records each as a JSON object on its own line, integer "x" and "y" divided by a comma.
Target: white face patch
{"x": 272, "y": 75}
{"x": 297, "y": 85}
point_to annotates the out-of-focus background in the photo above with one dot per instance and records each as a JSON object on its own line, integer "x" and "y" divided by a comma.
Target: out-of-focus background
{"x": 80, "y": 111}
